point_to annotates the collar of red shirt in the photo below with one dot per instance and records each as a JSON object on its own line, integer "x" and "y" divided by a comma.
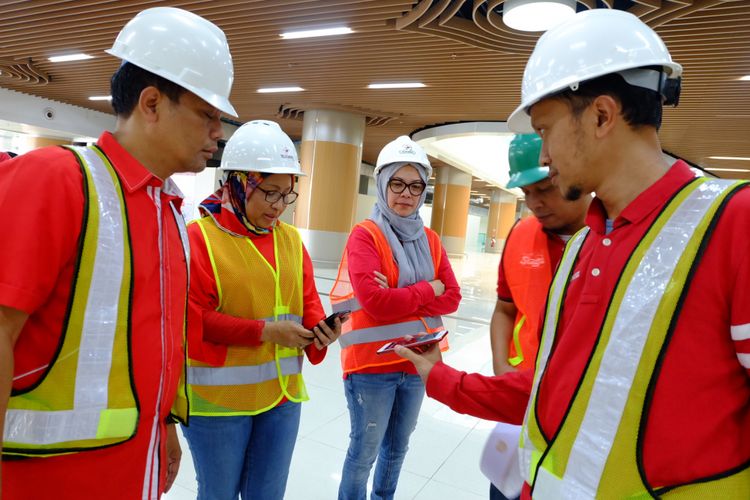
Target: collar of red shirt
{"x": 654, "y": 197}
{"x": 132, "y": 173}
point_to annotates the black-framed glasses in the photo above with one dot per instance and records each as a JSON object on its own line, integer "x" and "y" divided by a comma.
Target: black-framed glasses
{"x": 274, "y": 196}
{"x": 397, "y": 186}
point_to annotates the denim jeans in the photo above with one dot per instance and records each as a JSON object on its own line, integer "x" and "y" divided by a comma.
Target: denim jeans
{"x": 496, "y": 494}
{"x": 245, "y": 455}
{"x": 383, "y": 410}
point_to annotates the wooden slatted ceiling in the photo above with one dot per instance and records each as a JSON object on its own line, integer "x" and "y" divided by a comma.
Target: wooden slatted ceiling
{"x": 468, "y": 78}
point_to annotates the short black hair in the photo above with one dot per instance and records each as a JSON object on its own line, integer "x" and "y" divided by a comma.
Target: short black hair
{"x": 129, "y": 81}
{"x": 640, "y": 106}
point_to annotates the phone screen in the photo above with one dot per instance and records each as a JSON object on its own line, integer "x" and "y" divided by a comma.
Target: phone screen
{"x": 417, "y": 341}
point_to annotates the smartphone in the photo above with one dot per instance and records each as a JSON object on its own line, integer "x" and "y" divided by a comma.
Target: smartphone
{"x": 331, "y": 320}
{"x": 417, "y": 343}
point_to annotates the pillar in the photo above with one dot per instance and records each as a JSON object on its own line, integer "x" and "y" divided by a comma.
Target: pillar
{"x": 41, "y": 142}
{"x": 450, "y": 208}
{"x": 501, "y": 218}
{"x": 330, "y": 154}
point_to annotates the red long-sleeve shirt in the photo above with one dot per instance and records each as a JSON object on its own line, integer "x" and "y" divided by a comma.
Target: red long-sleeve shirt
{"x": 699, "y": 420}
{"x": 392, "y": 304}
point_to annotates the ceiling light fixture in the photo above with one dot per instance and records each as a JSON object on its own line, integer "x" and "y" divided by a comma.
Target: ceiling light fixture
{"x": 745, "y": 78}
{"x": 269, "y": 90}
{"x": 735, "y": 158}
{"x": 339, "y": 30}
{"x": 70, "y": 57}
{"x": 405, "y": 85}
{"x": 712, "y": 169}
{"x": 100, "y": 98}
{"x": 536, "y": 15}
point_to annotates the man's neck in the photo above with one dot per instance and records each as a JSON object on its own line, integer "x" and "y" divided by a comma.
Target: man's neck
{"x": 631, "y": 168}
{"x": 136, "y": 141}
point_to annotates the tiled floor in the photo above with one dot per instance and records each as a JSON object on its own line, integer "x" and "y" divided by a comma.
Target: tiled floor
{"x": 443, "y": 459}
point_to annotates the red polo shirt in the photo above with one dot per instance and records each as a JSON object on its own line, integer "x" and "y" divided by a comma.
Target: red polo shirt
{"x": 699, "y": 423}
{"x": 41, "y": 209}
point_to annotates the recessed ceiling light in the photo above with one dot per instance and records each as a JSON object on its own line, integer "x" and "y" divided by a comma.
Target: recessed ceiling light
{"x": 269, "y": 90}
{"x": 536, "y": 15}
{"x": 70, "y": 57}
{"x": 745, "y": 78}
{"x": 339, "y": 30}
{"x": 406, "y": 85}
{"x": 100, "y": 98}
{"x": 712, "y": 169}
{"x": 735, "y": 158}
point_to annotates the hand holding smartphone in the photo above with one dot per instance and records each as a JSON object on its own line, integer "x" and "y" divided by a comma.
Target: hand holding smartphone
{"x": 331, "y": 320}
{"x": 322, "y": 339}
{"x": 416, "y": 343}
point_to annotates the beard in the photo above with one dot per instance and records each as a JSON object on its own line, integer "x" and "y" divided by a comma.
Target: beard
{"x": 573, "y": 193}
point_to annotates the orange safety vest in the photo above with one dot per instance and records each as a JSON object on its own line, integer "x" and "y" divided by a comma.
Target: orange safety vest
{"x": 528, "y": 271}
{"x": 363, "y": 335}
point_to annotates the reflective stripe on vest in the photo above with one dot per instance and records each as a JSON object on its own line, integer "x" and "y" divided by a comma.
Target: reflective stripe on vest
{"x": 594, "y": 454}
{"x": 241, "y": 375}
{"x": 181, "y": 406}
{"x": 251, "y": 380}
{"x": 362, "y": 335}
{"x": 391, "y": 331}
{"x": 97, "y": 407}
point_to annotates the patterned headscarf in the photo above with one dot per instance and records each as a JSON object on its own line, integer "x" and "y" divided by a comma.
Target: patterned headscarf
{"x": 233, "y": 195}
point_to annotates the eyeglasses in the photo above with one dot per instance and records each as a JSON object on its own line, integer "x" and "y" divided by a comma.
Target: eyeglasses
{"x": 397, "y": 186}
{"x": 274, "y": 196}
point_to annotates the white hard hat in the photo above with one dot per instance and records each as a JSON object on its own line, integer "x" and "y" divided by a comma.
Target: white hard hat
{"x": 403, "y": 150}
{"x": 183, "y": 48}
{"x": 261, "y": 146}
{"x": 591, "y": 44}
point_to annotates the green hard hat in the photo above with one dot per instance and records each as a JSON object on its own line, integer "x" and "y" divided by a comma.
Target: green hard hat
{"x": 523, "y": 157}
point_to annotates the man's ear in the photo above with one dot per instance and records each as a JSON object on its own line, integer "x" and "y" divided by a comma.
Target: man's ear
{"x": 606, "y": 111}
{"x": 149, "y": 103}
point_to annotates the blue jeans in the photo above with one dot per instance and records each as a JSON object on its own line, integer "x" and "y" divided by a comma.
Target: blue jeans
{"x": 383, "y": 410}
{"x": 245, "y": 455}
{"x": 496, "y": 494}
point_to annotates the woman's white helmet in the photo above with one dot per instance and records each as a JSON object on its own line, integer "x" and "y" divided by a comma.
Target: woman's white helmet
{"x": 591, "y": 44}
{"x": 261, "y": 146}
{"x": 403, "y": 150}
{"x": 182, "y": 47}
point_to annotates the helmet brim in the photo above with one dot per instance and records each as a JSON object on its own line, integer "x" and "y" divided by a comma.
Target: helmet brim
{"x": 527, "y": 177}
{"x": 519, "y": 120}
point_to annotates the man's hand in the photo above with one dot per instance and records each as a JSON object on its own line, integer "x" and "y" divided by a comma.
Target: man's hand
{"x": 174, "y": 455}
{"x": 423, "y": 362}
{"x": 287, "y": 333}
